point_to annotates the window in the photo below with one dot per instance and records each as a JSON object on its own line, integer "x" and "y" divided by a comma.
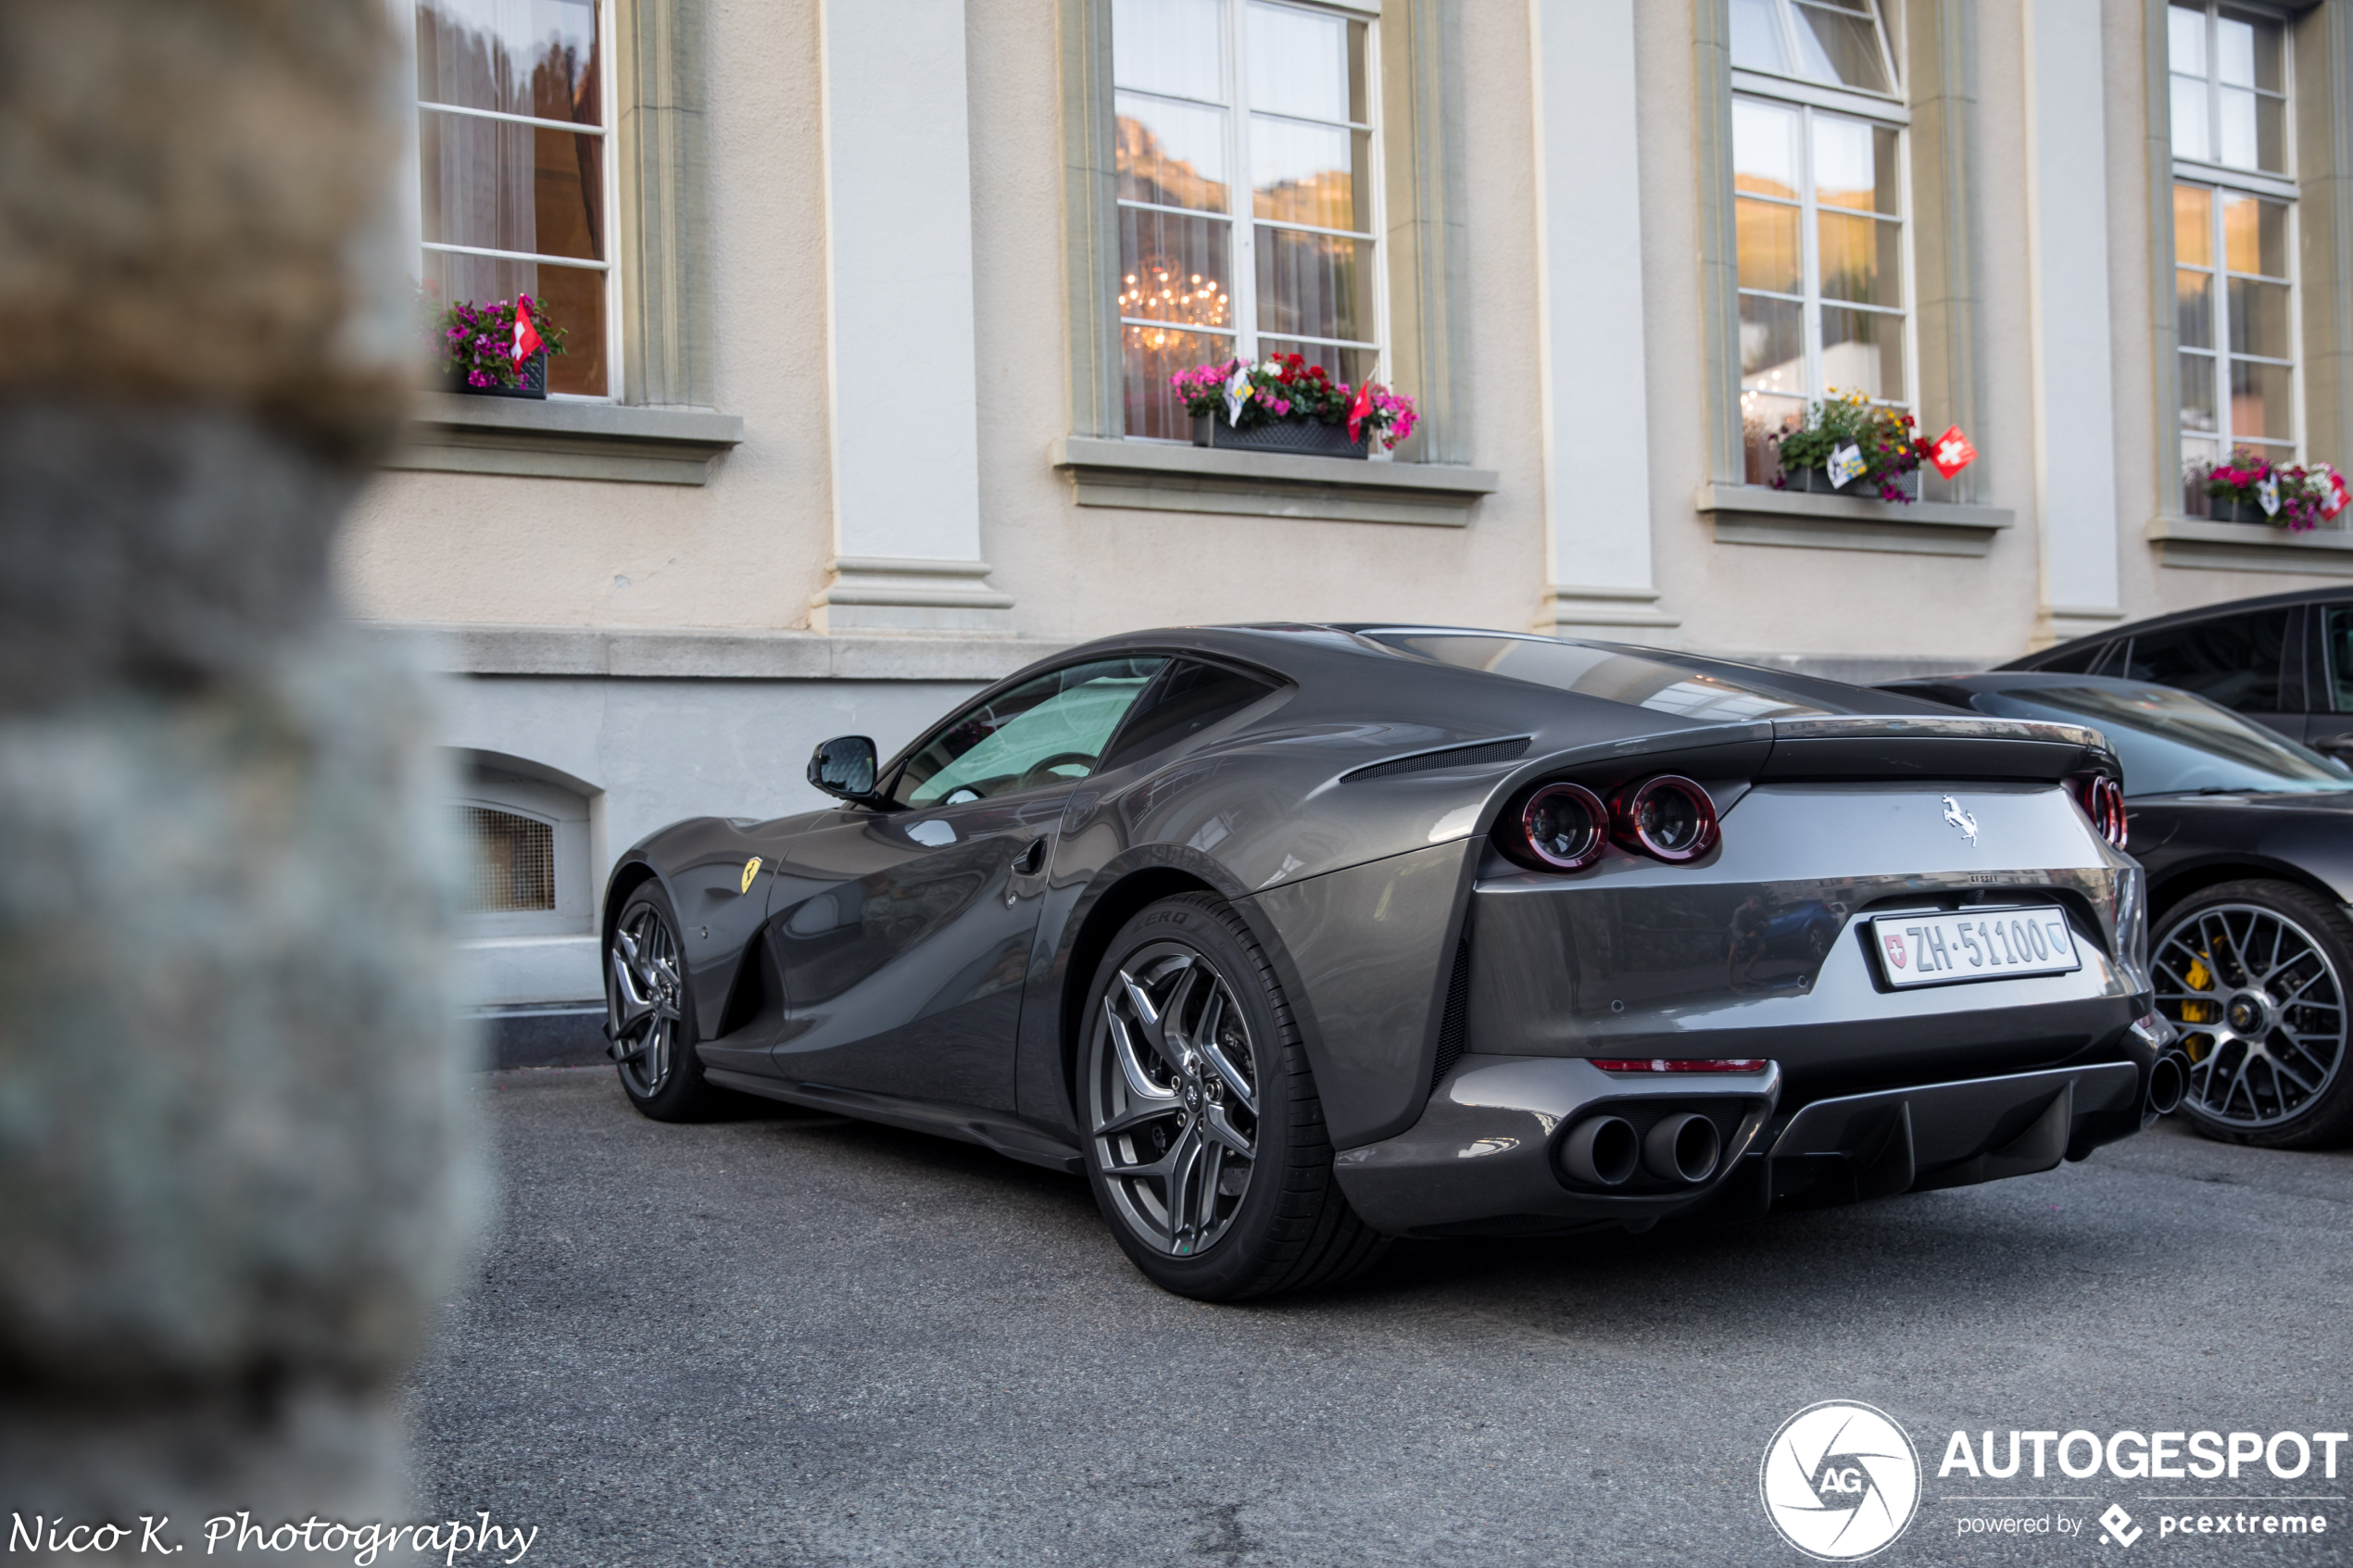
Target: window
{"x": 515, "y": 173}
{"x": 512, "y": 861}
{"x": 527, "y": 847}
{"x": 2233, "y": 216}
{"x": 1819, "y": 210}
{"x": 1206, "y": 91}
{"x": 1044, "y": 732}
{"x": 1191, "y": 698}
{"x": 2233, "y": 660}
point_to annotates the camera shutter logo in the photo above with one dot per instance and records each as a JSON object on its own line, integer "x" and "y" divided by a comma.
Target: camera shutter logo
{"x": 1840, "y": 1481}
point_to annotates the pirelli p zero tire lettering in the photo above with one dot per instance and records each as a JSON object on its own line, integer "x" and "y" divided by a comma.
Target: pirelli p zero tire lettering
{"x": 2255, "y": 975}
{"x": 1205, "y": 1145}
{"x": 650, "y": 1011}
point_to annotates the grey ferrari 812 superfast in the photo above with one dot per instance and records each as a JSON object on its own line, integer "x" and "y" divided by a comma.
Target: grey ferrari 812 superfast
{"x": 1293, "y": 938}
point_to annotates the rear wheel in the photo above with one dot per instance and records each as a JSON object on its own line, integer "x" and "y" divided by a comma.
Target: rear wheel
{"x": 1206, "y": 1145}
{"x": 651, "y": 1013}
{"x": 2254, "y": 975}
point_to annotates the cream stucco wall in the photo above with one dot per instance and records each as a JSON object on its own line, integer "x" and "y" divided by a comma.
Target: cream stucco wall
{"x": 747, "y": 549}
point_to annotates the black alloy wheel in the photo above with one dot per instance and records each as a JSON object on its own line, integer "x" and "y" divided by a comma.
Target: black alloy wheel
{"x": 650, "y": 1013}
{"x": 2254, "y": 975}
{"x": 1205, "y": 1143}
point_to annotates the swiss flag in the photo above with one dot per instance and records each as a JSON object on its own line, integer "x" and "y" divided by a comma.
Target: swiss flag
{"x": 1358, "y": 409}
{"x": 2337, "y": 496}
{"x": 1952, "y": 453}
{"x": 526, "y": 335}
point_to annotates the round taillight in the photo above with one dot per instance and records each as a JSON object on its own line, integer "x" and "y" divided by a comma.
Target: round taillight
{"x": 1561, "y": 827}
{"x": 2103, "y": 800}
{"x": 1668, "y": 818}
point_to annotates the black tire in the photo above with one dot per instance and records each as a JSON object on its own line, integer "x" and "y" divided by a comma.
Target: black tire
{"x": 1288, "y": 1228}
{"x": 655, "y": 1052}
{"x": 2285, "y": 1082}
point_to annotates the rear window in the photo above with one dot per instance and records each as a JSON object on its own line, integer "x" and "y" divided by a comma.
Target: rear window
{"x": 2233, "y": 660}
{"x": 1610, "y": 674}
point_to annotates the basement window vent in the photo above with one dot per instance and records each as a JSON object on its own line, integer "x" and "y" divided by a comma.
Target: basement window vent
{"x": 511, "y": 863}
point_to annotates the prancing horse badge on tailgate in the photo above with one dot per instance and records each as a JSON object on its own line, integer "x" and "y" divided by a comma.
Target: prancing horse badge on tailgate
{"x": 1952, "y": 814}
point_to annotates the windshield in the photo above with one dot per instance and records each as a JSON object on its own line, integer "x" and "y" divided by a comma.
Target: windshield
{"x": 1603, "y": 672}
{"x": 2172, "y": 743}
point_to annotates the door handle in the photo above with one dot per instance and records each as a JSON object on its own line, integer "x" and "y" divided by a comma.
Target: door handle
{"x": 1031, "y": 860}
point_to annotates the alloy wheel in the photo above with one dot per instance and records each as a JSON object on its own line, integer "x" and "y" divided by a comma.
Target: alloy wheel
{"x": 644, "y": 1008}
{"x": 2261, "y": 1010}
{"x": 1174, "y": 1100}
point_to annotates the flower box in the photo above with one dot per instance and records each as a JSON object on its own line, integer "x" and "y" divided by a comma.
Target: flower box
{"x": 531, "y": 376}
{"x": 1817, "y": 481}
{"x": 1305, "y": 438}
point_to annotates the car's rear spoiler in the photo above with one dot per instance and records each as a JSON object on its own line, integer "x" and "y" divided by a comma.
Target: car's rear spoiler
{"x": 1935, "y": 747}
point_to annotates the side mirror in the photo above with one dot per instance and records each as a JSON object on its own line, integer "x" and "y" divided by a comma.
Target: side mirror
{"x": 845, "y": 766}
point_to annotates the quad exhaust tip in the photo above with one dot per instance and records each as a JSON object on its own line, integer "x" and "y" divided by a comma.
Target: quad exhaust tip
{"x": 2168, "y": 1080}
{"x": 1602, "y": 1151}
{"x": 1682, "y": 1148}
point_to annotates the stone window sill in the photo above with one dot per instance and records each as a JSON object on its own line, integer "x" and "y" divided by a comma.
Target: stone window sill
{"x": 1156, "y": 476}
{"x": 1755, "y": 514}
{"x": 2202, "y": 546}
{"x": 450, "y": 433}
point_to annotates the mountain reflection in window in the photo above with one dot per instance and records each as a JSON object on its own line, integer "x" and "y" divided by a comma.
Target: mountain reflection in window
{"x": 1610, "y": 674}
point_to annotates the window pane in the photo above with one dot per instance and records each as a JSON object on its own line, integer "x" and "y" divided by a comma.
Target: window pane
{"x": 1174, "y": 46}
{"x": 1152, "y": 354}
{"x": 569, "y": 298}
{"x": 1853, "y": 165}
{"x": 1299, "y": 62}
{"x": 2260, "y": 402}
{"x": 1764, "y": 149}
{"x": 2237, "y": 132}
{"x": 2246, "y": 51}
{"x": 1862, "y": 351}
{"x": 2259, "y": 320}
{"x": 1837, "y": 45}
{"x": 1764, "y": 420}
{"x": 1170, "y": 154}
{"x": 2197, "y": 457}
{"x": 1352, "y": 366}
{"x": 1756, "y": 37}
{"x": 2185, "y": 38}
{"x": 512, "y": 859}
{"x": 1859, "y": 259}
{"x": 1311, "y": 173}
{"x": 2271, "y": 135}
{"x": 1193, "y": 698}
{"x": 1173, "y": 268}
{"x": 1314, "y": 285}
{"x": 1043, "y": 732}
{"x": 504, "y": 186}
{"x": 1772, "y": 344}
{"x": 516, "y": 56}
{"x": 2197, "y": 392}
{"x": 2255, "y": 235}
{"x": 2194, "y": 308}
{"x": 2194, "y": 225}
{"x": 2190, "y": 138}
{"x": 1769, "y": 252}
{"x": 2233, "y": 660}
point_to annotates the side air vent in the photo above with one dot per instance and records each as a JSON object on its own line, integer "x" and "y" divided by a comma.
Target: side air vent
{"x": 1507, "y": 750}
{"x": 1454, "y": 1025}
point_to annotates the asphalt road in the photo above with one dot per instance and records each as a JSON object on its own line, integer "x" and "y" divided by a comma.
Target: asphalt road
{"x": 797, "y": 1339}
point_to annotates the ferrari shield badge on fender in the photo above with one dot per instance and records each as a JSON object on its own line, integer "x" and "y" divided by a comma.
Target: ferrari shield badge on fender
{"x": 751, "y": 868}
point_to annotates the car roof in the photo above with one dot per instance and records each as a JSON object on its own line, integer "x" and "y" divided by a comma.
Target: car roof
{"x": 2009, "y": 680}
{"x": 2184, "y": 617}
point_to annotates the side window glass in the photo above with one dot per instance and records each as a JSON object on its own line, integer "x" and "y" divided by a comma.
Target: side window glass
{"x": 1043, "y": 732}
{"x": 2233, "y": 659}
{"x": 2080, "y": 662}
{"x": 2338, "y": 627}
{"x": 1193, "y": 698}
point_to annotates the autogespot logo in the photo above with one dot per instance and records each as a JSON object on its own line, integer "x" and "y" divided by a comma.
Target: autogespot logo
{"x": 1840, "y": 1481}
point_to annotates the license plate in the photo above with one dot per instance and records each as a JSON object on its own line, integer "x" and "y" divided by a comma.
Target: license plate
{"x": 1931, "y": 949}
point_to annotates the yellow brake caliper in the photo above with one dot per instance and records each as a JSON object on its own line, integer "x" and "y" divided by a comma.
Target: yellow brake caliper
{"x": 2200, "y": 978}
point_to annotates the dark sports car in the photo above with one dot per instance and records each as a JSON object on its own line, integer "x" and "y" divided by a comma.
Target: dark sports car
{"x": 2248, "y": 841}
{"x": 1292, "y": 938}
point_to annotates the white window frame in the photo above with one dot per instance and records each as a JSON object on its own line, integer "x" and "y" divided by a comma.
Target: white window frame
{"x": 1241, "y": 201}
{"x": 2219, "y": 179}
{"x": 610, "y": 163}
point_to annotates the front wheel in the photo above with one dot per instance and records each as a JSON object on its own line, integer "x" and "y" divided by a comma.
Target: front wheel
{"x": 650, "y": 1013}
{"x": 1206, "y": 1146}
{"x": 2254, "y": 975}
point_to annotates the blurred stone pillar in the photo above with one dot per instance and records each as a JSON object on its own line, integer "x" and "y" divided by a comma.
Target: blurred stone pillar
{"x": 234, "y": 1168}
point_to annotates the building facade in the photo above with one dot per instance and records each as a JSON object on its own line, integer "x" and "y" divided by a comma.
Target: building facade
{"x": 869, "y": 307}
